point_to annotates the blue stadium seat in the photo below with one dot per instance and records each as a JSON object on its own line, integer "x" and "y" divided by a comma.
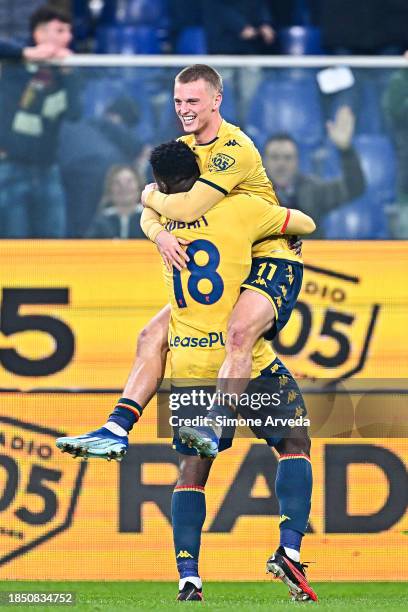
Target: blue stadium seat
{"x": 357, "y": 220}
{"x": 364, "y": 98}
{"x": 127, "y": 40}
{"x": 301, "y": 12}
{"x": 365, "y": 217}
{"x": 378, "y": 159}
{"x": 370, "y": 118}
{"x": 134, "y": 12}
{"x": 306, "y": 158}
{"x": 99, "y": 93}
{"x": 289, "y": 106}
{"x": 81, "y": 19}
{"x": 326, "y": 162}
{"x": 300, "y": 40}
{"x": 191, "y": 41}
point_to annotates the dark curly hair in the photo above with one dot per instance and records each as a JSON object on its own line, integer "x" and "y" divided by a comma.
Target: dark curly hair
{"x": 45, "y": 14}
{"x": 173, "y": 162}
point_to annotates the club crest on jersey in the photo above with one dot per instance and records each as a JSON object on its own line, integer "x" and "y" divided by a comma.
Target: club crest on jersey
{"x": 221, "y": 161}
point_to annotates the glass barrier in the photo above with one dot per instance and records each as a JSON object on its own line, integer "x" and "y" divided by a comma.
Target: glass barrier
{"x": 75, "y": 144}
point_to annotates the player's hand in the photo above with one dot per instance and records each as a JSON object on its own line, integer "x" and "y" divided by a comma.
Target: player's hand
{"x": 341, "y": 130}
{"x": 295, "y": 245}
{"x": 171, "y": 250}
{"x": 148, "y": 188}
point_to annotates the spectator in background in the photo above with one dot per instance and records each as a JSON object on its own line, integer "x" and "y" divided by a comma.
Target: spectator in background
{"x": 120, "y": 208}
{"x": 237, "y": 26}
{"x": 310, "y": 194}
{"x": 395, "y": 104}
{"x": 88, "y": 149}
{"x": 34, "y": 100}
{"x": 15, "y": 19}
{"x": 364, "y": 27}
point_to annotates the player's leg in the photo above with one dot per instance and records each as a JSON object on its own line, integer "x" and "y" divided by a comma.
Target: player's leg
{"x": 188, "y": 514}
{"x": 252, "y": 316}
{"x": 148, "y": 367}
{"x": 263, "y": 309}
{"x": 293, "y": 487}
{"x": 110, "y": 441}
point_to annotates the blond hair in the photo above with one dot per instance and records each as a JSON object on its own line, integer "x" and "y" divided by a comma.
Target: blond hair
{"x": 201, "y": 71}
{"x": 113, "y": 171}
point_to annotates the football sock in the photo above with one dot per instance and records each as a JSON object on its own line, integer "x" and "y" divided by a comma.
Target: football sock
{"x": 126, "y": 414}
{"x": 293, "y": 489}
{"x": 188, "y": 515}
{"x": 292, "y": 553}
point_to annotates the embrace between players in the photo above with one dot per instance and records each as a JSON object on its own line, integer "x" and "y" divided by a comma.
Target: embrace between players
{"x": 231, "y": 274}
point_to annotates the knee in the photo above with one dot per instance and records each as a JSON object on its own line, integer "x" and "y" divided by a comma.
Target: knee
{"x": 151, "y": 338}
{"x": 300, "y": 445}
{"x": 240, "y": 337}
{"x": 193, "y": 471}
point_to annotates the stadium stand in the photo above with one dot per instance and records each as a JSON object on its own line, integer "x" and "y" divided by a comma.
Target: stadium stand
{"x": 300, "y": 40}
{"x": 191, "y": 40}
{"x": 286, "y": 106}
{"x": 127, "y": 39}
{"x": 365, "y": 217}
{"x": 99, "y": 92}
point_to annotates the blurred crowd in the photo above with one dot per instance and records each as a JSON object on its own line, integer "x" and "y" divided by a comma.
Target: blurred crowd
{"x": 365, "y": 27}
{"x": 75, "y": 143}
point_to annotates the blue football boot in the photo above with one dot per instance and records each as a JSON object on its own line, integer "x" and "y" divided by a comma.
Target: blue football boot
{"x": 99, "y": 444}
{"x": 203, "y": 439}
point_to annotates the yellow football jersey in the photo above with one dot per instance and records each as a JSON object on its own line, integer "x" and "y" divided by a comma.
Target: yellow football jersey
{"x": 232, "y": 164}
{"x": 203, "y": 295}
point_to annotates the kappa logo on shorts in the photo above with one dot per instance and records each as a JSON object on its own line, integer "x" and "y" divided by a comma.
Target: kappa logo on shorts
{"x": 259, "y": 281}
{"x": 283, "y": 518}
{"x": 221, "y": 162}
{"x": 298, "y": 412}
{"x": 292, "y": 395}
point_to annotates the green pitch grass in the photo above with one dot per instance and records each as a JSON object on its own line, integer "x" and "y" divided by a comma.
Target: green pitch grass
{"x": 246, "y": 596}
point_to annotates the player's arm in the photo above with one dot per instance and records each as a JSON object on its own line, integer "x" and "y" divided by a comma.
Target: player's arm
{"x": 267, "y": 220}
{"x": 186, "y": 206}
{"x": 227, "y": 169}
{"x": 297, "y": 223}
{"x": 169, "y": 247}
{"x": 150, "y": 223}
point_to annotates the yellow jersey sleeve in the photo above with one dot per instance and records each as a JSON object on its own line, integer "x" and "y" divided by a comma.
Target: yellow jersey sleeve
{"x": 187, "y": 206}
{"x": 229, "y": 166}
{"x": 150, "y": 223}
{"x": 262, "y": 220}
